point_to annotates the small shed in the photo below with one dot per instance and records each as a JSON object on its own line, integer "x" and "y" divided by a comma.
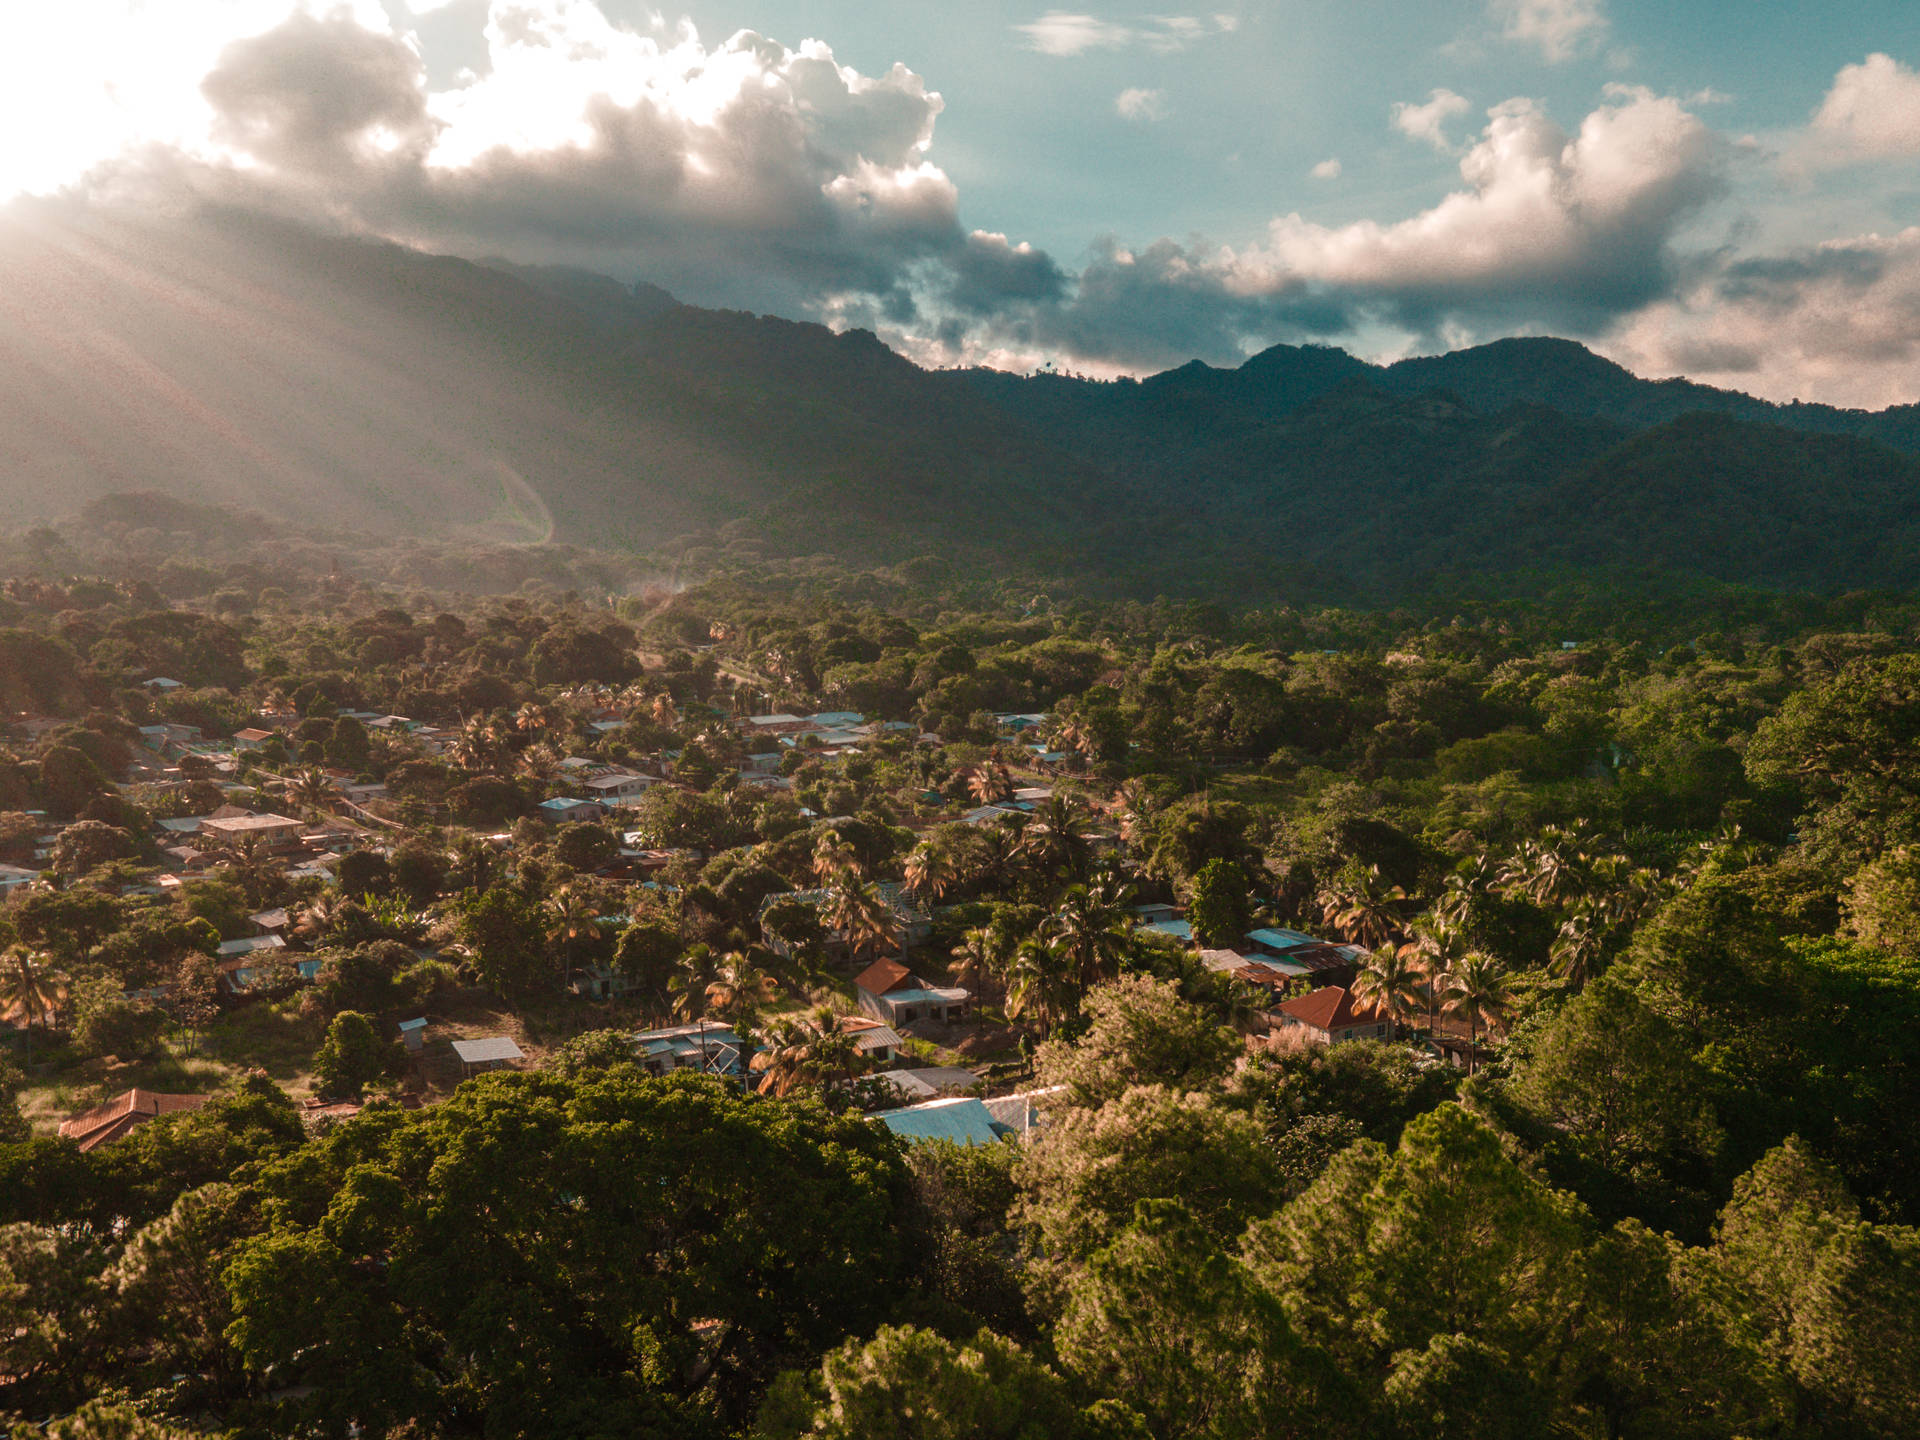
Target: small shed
{"x": 487, "y": 1054}
{"x": 413, "y": 1034}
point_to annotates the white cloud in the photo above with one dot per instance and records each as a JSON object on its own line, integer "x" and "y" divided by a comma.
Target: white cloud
{"x": 739, "y": 173}
{"x": 1872, "y": 112}
{"x": 1328, "y": 169}
{"x": 1559, "y": 28}
{"x": 1141, "y": 105}
{"x": 1549, "y": 231}
{"x": 1428, "y": 122}
{"x": 1065, "y": 33}
{"x": 1838, "y": 322}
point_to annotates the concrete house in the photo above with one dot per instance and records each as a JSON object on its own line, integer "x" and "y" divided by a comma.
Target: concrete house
{"x": 1329, "y": 1015}
{"x": 894, "y": 995}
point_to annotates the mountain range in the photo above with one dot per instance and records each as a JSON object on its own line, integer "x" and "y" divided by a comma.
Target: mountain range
{"x": 329, "y": 382}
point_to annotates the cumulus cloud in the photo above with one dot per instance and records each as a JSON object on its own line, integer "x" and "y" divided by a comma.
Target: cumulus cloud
{"x": 1557, "y": 28}
{"x": 1065, "y": 33}
{"x": 1549, "y": 230}
{"x": 742, "y": 172}
{"x": 1328, "y": 169}
{"x": 1428, "y": 122}
{"x": 1136, "y": 104}
{"x": 1872, "y": 112}
{"x": 1839, "y": 322}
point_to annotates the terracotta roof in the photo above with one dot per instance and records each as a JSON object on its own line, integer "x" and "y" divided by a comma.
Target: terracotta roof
{"x": 123, "y": 1114}
{"x": 882, "y": 976}
{"x": 1330, "y": 1008}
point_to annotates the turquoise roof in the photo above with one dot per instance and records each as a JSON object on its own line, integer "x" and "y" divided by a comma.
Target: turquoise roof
{"x": 1178, "y": 929}
{"x": 1281, "y": 939}
{"x": 964, "y": 1121}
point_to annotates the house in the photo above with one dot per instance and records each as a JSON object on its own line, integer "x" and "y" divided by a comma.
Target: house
{"x": 278, "y": 831}
{"x": 251, "y": 738}
{"x": 619, "y": 788}
{"x": 162, "y": 738}
{"x": 250, "y": 945}
{"x": 925, "y": 1084}
{"x": 709, "y": 1048}
{"x": 13, "y": 877}
{"x": 776, "y": 724}
{"x": 913, "y": 919}
{"x": 880, "y": 1043}
{"x": 894, "y": 995}
{"x": 162, "y": 682}
{"x": 562, "y": 809}
{"x": 1181, "y": 930}
{"x": 961, "y": 1119}
{"x": 1278, "y": 941}
{"x": 124, "y": 1114}
{"x": 1329, "y": 1015}
{"x": 1019, "y": 724}
{"x": 490, "y": 1053}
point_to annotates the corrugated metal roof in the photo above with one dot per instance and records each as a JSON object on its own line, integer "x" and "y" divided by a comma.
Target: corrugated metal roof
{"x": 492, "y": 1048}
{"x": 962, "y": 1120}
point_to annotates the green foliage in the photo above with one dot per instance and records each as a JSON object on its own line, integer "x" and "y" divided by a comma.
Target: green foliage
{"x": 1081, "y": 1176}
{"x": 1138, "y": 1031}
{"x": 911, "y": 1384}
{"x": 1218, "y": 904}
{"x": 591, "y": 1051}
{"x": 352, "y": 1057}
{"x": 412, "y": 1269}
{"x": 507, "y": 936}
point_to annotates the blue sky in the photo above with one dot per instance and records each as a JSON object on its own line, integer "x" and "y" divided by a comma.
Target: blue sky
{"x": 1725, "y": 188}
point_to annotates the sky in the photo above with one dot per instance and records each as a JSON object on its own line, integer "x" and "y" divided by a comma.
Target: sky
{"x": 1726, "y": 189}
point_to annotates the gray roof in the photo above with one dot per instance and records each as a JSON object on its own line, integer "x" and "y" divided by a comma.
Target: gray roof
{"x": 494, "y": 1047}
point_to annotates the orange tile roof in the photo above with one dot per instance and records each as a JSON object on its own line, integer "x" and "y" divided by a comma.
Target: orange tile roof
{"x": 882, "y": 976}
{"x": 1330, "y": 1008}
{"x": 123, "y": 1114}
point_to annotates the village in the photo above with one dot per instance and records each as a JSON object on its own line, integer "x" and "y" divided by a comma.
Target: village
{"x": 342, "y": 840}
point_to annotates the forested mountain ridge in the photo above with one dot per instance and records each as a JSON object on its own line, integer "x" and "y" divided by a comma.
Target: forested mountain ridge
{"x": 336, "y": 383}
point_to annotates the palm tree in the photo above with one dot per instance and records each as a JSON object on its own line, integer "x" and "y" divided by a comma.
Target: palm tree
{"x": 739, "y": 988}
{"x": 249, "y": 861}
{"x": 990, "y": 783}
{"x": 1091, "y": 933}
{"x": 571, "y": 917}
{"x": 1477, "y": 989}
{"x": 534, "y": 718}
{"x": 785, "y": 1060}
{"x": 1365, "y": 910}
{"x": 309, "y": 788}
{"x": 688, "y": 988}
{"x": 1390, "y": 981}
{"x": 1550, "y": 871}
{"x": 864, "y": 919}
{"x": 1580, "y": 947}
{"x": 1041, "y": 985}
{"x": 975, "y": 960}
{"x": 930, "y": 872}
{"x": 322, "y": 915}
{"x": 29, "y": 993}
{"x": 1437, "y": 948}
{"x": 834, "y": 857}
{"x": 1056, "y": 838}
{"x": 665, "y": 713}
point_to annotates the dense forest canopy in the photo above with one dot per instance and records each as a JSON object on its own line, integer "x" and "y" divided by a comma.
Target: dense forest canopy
{"x": 1632, "y": 888}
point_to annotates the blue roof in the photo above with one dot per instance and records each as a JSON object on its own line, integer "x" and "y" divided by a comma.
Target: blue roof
{"x": 966, "y": 1121}
{"x": 1281, "y": 939}
{"x": 413, "y": 1024}
{"x": 1177, "y": 929}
